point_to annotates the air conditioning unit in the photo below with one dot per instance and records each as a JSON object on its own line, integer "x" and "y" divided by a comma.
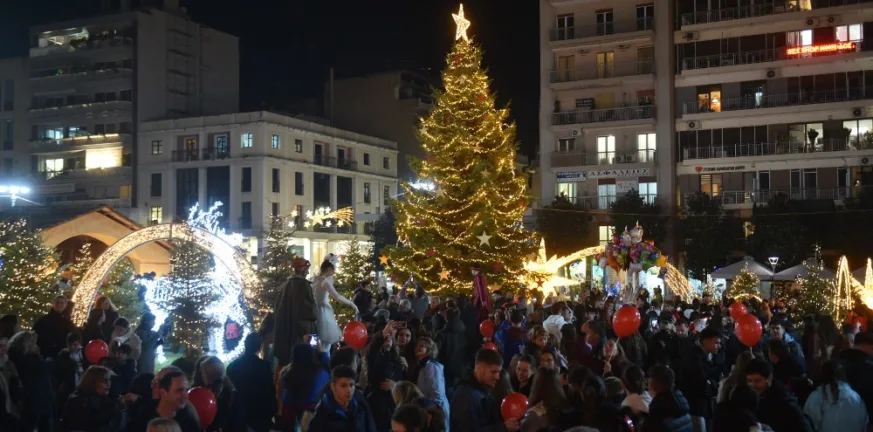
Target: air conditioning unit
{"x": 812, "y": 22}
{"x": 857, "y": 112}
{"x": 835, "y": 19}
{"x": 629, "y": 158}
{"x": 691, "y": 36}
{"x": 692, "y": 125}
{"x": 772, "y": 73}
{"x": 576, "y": 133}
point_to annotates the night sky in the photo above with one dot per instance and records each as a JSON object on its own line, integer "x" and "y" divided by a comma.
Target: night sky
{"x": 288, "y": 46}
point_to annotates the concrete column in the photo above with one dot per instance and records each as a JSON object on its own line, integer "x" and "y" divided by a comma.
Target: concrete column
{"x": 547, "y": 103}
{"x": 665, "y": 126}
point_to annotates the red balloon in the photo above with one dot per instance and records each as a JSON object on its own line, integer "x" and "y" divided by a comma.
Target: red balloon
{"x": 490, "y": 345}
{"x": 626, "y": 321}
{"x": 204, "y": 402}
{"x": 749, "y": 330}
{"x": 96, "y": 350}
{"x": 514, "y": 406}
{"x": 487, "y": 328}
{"x": 355, "y": 335}
{"x": 737, "y": 310}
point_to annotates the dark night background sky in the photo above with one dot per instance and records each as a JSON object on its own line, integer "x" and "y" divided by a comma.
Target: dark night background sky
{"x": 288, "y": 46}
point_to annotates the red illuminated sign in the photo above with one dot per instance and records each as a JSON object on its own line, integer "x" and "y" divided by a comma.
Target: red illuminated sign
{"x": 819, "y": 49}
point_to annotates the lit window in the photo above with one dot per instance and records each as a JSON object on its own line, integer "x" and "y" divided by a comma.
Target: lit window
{"x": 849, "y": 33}
{"x": 605, "y": 196}
{"x": 606, "y": 149}
{"x": 102, "y": 158}
{"x": 710, "y": 184}
{"x": 568, "y": 189}
{"x": 298, "y": 146}
{"x": 649, "y": 192}
{"x": 800, "y": 38}
{"x": 275, "y": 141}
{"x": 604, "y": 234}
{"x": 157, "y": 147}
{"x": 157, "y": 214}
{"x": 246, "y": 140}
{"x": 386, "y": 195}
{"x": 646, "y": 147}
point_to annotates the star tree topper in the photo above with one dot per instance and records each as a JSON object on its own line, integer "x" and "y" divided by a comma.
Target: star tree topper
{"x": 462, "y": 23}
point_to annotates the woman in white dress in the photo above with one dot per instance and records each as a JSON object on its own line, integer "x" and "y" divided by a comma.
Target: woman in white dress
{"x": 329, "y": 332}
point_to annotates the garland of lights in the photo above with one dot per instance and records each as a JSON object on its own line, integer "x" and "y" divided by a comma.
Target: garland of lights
{"x": 323, "y": 216}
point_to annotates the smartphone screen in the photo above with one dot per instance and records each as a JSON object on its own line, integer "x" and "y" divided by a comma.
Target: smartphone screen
{"x": 313, "y": 340}
{"x": 401, "y": 324}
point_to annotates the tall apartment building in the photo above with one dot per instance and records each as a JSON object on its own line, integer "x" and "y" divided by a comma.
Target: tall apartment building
{"x": 13, "y": 119}
{"x": 93, "y": 81}
{"x": 606, "y": 122}
{"x": 774, "y": 98}
{"x": 387, "y": 105}
{"x": 260, "y": 165}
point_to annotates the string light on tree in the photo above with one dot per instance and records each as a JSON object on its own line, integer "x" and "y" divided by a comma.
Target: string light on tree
{"x": 816, "y": 292}
{"x": 744, "y": 286}
{"x": 29, "y": 272}
{"x": 323, "y": 216}
{"x": 844, "y": 294}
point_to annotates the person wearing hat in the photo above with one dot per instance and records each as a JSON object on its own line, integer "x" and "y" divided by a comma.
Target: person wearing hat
{"x": 296, "y": 314}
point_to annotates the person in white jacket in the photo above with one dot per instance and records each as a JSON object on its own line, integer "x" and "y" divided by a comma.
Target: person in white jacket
{"x": 561, "y": 315}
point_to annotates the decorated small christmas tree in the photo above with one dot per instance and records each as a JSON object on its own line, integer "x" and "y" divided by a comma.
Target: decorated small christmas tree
{"x": 29, "y": 272}
{"x": 744, "y": 286}
{"x": 816, "y": 293}
{"x": 118, "y": 286}
{"x": 355, "y": 266}
{"x": 473, "y": 214}
{"x": 189, "y": 293}
{"x": 81, "y": 263}
{"x": 276, "y": 266}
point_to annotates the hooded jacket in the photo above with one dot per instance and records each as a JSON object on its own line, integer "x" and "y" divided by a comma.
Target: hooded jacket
{"x": 669, "y": 412}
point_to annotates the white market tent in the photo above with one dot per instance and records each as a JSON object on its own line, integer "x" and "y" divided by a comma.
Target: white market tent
{"x": 790, "y": 274}
{"x": 734, "y": 269}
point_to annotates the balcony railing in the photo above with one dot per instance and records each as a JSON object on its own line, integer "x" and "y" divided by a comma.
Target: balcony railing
{"x": 604, "y": 202}
{"x": 83, "y": 44}
{"x": 215, "y": 154}
{"x": 601, "y": 71}
{"x": 84, "y": 173}
{"x": 641, "y": 112}
{"x": 601, "y": 29}
{"x": 799, "y": 194}
{"x": 754, "y": 57}
{"x": 729, "y": 14}
{"x": 341, "y": 163}
{"x": 771, "y": 149}
{"x": 750, "y": 102}
{"x": 186, "y": 155}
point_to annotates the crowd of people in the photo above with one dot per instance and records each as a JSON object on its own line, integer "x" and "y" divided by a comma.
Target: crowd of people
{"x": 427, "y": 367}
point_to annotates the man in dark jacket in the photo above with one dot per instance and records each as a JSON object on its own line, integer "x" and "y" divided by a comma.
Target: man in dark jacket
{"x": 669, "y": 410}
{"x": 779, "y": 330}
{"x": 664, "y": 346}
{"x": 342, "y": 408}
{"x": 172, "y": 402}
{"x": 52, "y": 329}
{"x": 253, "y": 379}
{"x": 701, "y": 372}
{"x": 472, "y": 407}
{"x": 858, "y": 362}
{"x": 778, "y": 407}
{"x": 363, "y": 299}
{"x": 295, "y": 314}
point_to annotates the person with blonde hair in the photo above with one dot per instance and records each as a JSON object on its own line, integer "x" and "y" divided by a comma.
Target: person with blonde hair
{"x": 210, "y": 373}
{"x": 163, "y": 425}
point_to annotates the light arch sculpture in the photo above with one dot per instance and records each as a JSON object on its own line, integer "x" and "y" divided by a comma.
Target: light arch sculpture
{"x": 223, "y": 251}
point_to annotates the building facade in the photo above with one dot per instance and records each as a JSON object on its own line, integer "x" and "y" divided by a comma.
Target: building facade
{"x": 14, "y": 102}
{"x": 774, "y": 98}
{"x": 606, "y": 121}
{"x": 260, "y": 165}
{"x": 93, "y": 81}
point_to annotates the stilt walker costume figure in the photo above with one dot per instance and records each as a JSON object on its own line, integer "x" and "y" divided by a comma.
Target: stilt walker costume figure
{"x": 296, "y": 314}
{"x": 481, "y": 297}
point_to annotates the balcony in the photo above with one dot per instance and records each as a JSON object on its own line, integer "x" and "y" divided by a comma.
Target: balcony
{"x": 72, "y": 143}
{"x": 638, "y": 156}
{"x": 70, "y": 174}
{"x": 603, "y": 71}
{"x": 81, "y": 45}
{"x": 604, "y": 202}
{"x": 761, "y": 10}
{"x": 572, "y": 159}
{"x": 333, "y": 162}
{"x": 642, "y": 112}
{"x": 799, "y": 194}
{"x": 601, "y": 29}
{"x": 46, "y": 110}
{"x": 772, "y": 149}
{"x": 766, "y": 56}
{"x": 752, "y": 102}
{"x": 211, "y": 154}
{"x": 192, "y": 155}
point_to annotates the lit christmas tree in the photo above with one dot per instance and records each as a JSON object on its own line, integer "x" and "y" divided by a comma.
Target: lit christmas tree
{"x": 29, "y": 272}
{"x": 744, "y": 286}
{"x": 843, "y": 301}
{"x": 355, "y": 266}
{"x": 474, "y": 212}
{"x": 816, "y": 293}
{"x": 188, "y": 294}
{"x": 81, "y": 263}
{"x": 276, "y": 266}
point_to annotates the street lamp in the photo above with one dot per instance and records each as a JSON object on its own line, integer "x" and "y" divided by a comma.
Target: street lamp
{"x": 774, "y": 260}
{"x": 13, "y": 192}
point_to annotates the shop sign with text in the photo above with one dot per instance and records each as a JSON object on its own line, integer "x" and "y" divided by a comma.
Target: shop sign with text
{"x": 571, "y": 176}
{"x": 634, "y": 172}
{"x": 701, "y": 170}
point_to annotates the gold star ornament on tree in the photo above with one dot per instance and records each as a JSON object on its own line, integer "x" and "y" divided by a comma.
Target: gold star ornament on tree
{"x": 462, "y": 23}
{"x": 383, "y": 260}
